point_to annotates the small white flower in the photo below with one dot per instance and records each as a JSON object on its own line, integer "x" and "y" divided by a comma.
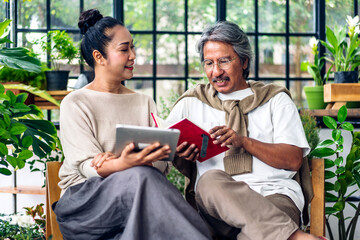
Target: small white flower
{"x": 313, "y": 42}
{"x": 22, "y": 220}
{"x": 357, "y": 29}
{"x": 352, "y": 22}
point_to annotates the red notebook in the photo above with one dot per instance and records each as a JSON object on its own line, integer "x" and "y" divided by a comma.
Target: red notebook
{"x": 191, "y": 133}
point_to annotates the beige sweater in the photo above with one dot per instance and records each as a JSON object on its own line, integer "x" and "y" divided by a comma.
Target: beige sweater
{"x": 87, "y": 127}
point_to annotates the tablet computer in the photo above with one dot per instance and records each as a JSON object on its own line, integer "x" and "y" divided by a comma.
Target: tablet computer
{"x": 144, "y": 136}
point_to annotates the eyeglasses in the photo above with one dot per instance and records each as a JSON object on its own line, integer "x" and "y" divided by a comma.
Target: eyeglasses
{"x": 223, "y": 63}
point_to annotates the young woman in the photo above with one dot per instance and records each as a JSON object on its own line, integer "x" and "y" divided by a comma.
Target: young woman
{"x": 106, "y": 196}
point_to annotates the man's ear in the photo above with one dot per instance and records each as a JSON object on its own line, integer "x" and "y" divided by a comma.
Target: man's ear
{"x": 245, "y": 64}
{"x": 98, "y": 57}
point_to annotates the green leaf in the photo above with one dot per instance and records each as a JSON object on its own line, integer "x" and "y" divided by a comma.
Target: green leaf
{"x": 347, "y": 126}
{"x": 11, "y": 160}
{"x": 340, "y": 141}
{"x": 322, "y": 152}
{"x": 357, "y": 178}
{"x": 336, "y": 134}
{"x": 17, "y": 128}
{"x": 329, "y": 197}
{"x": 21, "y": 97}
{"x": 342, "y": 114}
{"x": 328, "y": 163}
{"x": 329, "y": 186}
{"x": 7, "y": 120}
{"x": 340, "y": 170}
{"x": 325, "y": 143}
{"x": 337, "y": 186}
{"x": 338, "y": 161}
{"x": 329, "y": 174}
{"x": 5, "y": 171}
{"x": 18, "y": 58}
{"x": 3, "y": 149}
{"x": 339, "y": 206}
{"x": 330, "y": 122}
{"x": 2, "y": 89}
{"x": 26, "y": 141}
{"x": 12, "y": 97}
{"x": 340, "y": 149}
{"x": 20, "y": 163}
{"x": 21, "y": 107}
{"x": 25, "y": 154}
{"x": 330, "y": 210}
{"x": 330, "y": 36}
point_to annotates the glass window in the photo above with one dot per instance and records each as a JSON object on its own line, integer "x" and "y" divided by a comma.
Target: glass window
{"x": 170, "y": 15}
{"x": 271, "y": 16}
{"x": 142, "y": 86}
{"x": 300, "y": 50}
{"x": 272, "y": 54}
{"x": 2, "y": 10}
{"x": 336, "y": 12}
{"x": 64, "y": 14}
{"x": 138, "y": 14}
{"x": 302, "y": 16}
{"x": 194, "y": 63}
{"x": 28, "y": 40}
{"x": 32, "y": 14}
{"x": 170, "y": 55}
{"x": 200, "y": 14}
{"x": 144, "y": 55}
{"x": 167, "y": 91}
{"x": 104, "y": 6}
{"x": 241, "y": 13}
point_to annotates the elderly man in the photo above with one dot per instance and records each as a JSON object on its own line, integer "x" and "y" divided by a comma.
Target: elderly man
{"x": 247, "y": 192}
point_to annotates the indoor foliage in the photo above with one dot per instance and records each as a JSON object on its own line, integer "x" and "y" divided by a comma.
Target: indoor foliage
{"x": 345, "y": 171}
{"x": 21, "y": 127}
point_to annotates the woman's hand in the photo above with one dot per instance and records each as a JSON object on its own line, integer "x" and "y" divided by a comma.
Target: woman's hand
{"x": 226, "y": 136}
{"x": 99, "y": 159}
{"x": 130, "y": 158}
{"x": 147, "y": 156}
{"x": 189, "y": 153}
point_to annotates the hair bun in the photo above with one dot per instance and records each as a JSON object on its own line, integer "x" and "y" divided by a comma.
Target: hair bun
{"x": 88, "y": 19}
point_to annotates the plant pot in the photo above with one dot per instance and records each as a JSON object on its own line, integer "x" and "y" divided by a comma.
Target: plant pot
{"x": 56, "y": 80}
{"x": 346, "y": 77}
{"x": 315, "y": 97}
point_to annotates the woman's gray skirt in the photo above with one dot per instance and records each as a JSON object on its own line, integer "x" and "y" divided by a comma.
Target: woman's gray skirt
{"x": 138, "y": 203}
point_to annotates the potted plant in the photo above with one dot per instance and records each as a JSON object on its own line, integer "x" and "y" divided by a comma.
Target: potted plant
{"x": 59, "y": 46}
{"x": 344, "y": 170}
{"x": 344, "y": 53}
{"x": 314, "y": 94}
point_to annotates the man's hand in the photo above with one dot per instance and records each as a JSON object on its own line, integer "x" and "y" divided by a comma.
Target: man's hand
{"x": 278, "y": 155}
{"x": 187, "y": 152}
{"x": 226, "y": 136}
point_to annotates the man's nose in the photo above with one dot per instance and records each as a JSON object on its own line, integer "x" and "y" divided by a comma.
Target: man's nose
{"x": 217, "y": 71}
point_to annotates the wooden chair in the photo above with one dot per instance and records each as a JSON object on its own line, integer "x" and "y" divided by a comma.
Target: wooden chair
{"x": 317, "y": 206}
{"x": 52, "y": 195}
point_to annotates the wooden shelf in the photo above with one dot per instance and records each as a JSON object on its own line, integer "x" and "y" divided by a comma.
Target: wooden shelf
{"x": 338, "y": 94}
{"x": 36, "y": 190}
{"x": 352, "y": 112}
{"x": 46, "y": 105}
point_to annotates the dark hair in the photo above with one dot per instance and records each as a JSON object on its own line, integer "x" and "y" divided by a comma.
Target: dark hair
{"x": 94, "y": 26}
{"x": 230, "y": 33}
